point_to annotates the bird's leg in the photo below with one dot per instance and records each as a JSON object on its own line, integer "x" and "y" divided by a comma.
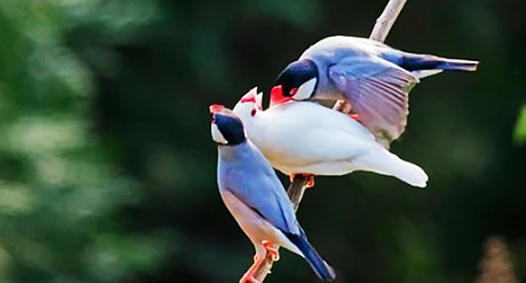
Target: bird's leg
{"x": 273, "y": 251}
{"x": 345, "y": 107}
{"x": 309, "y": 184}
{"x": 355, "y": 117}
{"x": 248, "y": 277}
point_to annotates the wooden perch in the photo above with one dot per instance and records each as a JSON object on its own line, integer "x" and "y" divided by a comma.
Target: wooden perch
{"x": 385, "y": 22}
{"x": 299, "y": 184}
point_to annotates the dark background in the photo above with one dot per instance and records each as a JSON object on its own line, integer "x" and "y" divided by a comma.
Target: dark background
{"x": 107, "y": 168}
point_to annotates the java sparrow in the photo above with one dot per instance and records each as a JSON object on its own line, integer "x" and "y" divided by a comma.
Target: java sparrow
{"x": 304, "y": 137}
{"x": 373, "y": 77}
{"x": 256, "y": 198}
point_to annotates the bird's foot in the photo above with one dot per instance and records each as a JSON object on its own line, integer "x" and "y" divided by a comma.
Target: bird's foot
{"x": 273, "y": 251}
{"x": 355, "y": 117}
{"x": 310, "y": 182}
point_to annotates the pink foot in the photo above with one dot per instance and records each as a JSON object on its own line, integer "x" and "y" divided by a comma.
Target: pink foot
{"x": 269, "y": 247}
{"x": 310, "y": 182}
{"x": 355, "y": 117}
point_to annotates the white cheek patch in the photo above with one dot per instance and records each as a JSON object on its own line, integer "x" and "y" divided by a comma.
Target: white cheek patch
{"x": 217, "y": 136}
{"x": 306, "y": 90}
{"x": 244, "y": 110}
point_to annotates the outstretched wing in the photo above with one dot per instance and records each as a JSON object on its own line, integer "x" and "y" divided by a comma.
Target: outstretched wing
{"x": 378, "y": 92}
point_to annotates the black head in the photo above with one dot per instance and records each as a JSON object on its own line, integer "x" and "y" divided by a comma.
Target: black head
{"x": 298, "y": 80}
{"x": 227, "y": 128}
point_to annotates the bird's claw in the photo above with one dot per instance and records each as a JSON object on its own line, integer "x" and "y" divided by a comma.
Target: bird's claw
{"x": 310, "y": 181}
{"x": 355, "y": 117}
{"x": 269, "y": 247}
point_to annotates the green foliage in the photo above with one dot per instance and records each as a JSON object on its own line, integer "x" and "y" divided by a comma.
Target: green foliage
{"x": 520, "y": 127}
{"x": 60, "y": 192}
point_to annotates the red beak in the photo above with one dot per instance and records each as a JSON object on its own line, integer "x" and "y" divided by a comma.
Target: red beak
{"x": 249, "y": 97}
{"x": 252, "y": 97}
{"x": 214, "y": 108}
{"x": 277, "y": 97}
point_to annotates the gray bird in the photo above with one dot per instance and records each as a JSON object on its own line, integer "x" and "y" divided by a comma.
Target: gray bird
{"x": 373, "y": 77}
{"x": 256, "y": 198}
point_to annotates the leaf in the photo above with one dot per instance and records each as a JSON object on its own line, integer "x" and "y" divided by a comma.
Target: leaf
{"x": 520, "y": 127}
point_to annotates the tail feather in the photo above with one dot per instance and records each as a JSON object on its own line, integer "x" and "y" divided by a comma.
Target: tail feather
{"x": 322, "y": 269}
{"x": 417, "y": 62}
{"x": 384, "y": 162}
{"x": 420, "y": 74}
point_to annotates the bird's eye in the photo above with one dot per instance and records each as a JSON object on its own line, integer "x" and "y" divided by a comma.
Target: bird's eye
{"x": 253, "y": 112}
{"x": 293, "y": 91}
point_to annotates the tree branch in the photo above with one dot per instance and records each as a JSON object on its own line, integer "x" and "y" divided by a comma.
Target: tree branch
{"x": 381, "y": 29}
{"x": 385, "y": 22}
{"x": 299, "y": 184}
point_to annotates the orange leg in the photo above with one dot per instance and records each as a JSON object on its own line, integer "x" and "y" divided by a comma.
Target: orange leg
{"x": 269, "y": 247}
{"x": 248, "y": 277}
{"x": 355, "y": 117}
{"x": 310, "y": 183}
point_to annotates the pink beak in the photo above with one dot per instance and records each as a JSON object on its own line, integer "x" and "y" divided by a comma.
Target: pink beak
{"x": 249, "y": 97}
{"x": 277, "y": 97}
{"x": 252, "y": 96}
{"x": 214, "y": 108}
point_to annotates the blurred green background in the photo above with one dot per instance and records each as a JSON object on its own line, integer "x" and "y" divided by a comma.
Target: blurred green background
{"x": 107, "y": 169}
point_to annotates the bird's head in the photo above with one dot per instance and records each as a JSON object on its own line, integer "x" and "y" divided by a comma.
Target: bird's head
{"x": 249, "y": 105}
{"x": 227, "y": 128}
{"x": 298, "y": 81}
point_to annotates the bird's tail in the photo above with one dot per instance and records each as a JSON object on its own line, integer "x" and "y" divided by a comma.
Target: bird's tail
{"x": 382, "y": 161}
{"x": 322, "y": 269}
{"x": 418, "y": 62}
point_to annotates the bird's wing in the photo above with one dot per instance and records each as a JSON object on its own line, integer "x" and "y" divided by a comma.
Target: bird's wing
{"x": 378, "y": 92}
{"x": 260, "y": 189}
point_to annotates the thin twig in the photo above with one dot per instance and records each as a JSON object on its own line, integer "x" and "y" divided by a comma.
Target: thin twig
{"x": 299, "y": 184}
{"x": 381, "y": 29}
{"x": 385, "y": 22}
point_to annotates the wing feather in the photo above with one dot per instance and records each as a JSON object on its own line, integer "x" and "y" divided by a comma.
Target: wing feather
{"x": 259, "y": 188}
{"x": 378, "y": 92}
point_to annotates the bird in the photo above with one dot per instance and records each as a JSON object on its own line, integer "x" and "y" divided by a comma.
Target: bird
{"x": 374, "y": 78}
{"x": 253, "y": 194}
{"x": 304, "y": 137}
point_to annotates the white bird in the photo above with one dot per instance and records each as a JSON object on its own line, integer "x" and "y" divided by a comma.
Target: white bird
{"x": 303, "y": 137}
